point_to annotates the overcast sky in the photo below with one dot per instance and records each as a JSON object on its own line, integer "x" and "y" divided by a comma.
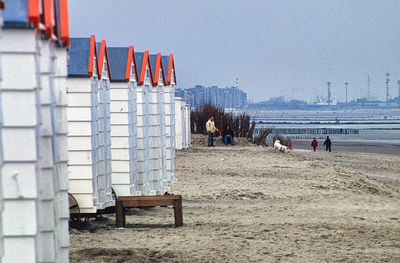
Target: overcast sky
{"x": 289, "y": 48}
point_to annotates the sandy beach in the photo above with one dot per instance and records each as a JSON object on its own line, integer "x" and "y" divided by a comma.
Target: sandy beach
{"x": 245, "y": 203}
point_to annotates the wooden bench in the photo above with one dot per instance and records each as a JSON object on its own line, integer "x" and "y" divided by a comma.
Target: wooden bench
{"x": 148, "y": 201}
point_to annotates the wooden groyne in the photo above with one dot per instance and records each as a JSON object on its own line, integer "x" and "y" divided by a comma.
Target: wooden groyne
{"x": 311, "y": 131}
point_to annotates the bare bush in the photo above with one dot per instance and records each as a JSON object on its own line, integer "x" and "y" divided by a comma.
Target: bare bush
{"x": 284, "y": 141}
{"x": 261, "y": 138}
{"x": 240, "y": 123}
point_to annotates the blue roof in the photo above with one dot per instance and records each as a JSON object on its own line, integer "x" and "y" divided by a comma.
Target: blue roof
{"x": 165, "y": 61}
{"x": 78, "y": 53}
{"x": 153, "y": 62}
{"x": 15, "y": 15}
{"x": 118, "y": 57}
{"x": 139, "y": 61}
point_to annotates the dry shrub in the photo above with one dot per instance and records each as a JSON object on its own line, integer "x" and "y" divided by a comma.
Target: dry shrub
{"x": 284, "y": 141}
{"x": 261, "y": 138}
{"x": 240, "y": 123}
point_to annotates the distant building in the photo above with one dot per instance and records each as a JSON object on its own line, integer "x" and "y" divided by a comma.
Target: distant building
{"x": 224, "y": 98}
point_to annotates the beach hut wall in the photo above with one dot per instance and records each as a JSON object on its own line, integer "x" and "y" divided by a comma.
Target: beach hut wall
{"x": 186, "y": 118}
{"x": 179, "y": 122}
{"x": 61, "y": 104}
{"x": 160, "y": 179}
{"x": 89, "y": 163}
{"x": 35, "y": 196}
{"x": 1, "y": 146}
{"x": 145, "y": 143}
{"x": 169, "y": 106}
{"x": 104, "y": 125}
{"x": 124, "y": 121}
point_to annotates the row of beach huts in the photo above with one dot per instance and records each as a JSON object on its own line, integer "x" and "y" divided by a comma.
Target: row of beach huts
{"x": 81, "y": 124}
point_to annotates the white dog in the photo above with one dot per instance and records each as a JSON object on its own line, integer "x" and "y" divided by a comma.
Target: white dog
{"x": 280, "y": 147}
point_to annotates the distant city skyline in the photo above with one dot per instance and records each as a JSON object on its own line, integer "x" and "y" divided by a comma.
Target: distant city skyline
{"x": 289, "y": 48}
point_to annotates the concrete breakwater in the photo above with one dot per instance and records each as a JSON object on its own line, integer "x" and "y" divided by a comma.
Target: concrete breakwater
{"x": 311, "y": 131}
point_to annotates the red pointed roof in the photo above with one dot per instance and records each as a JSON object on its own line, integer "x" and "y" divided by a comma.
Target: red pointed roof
{"x": 64, "y": 22}
{"x": 169, "y": 65}
{"x": 156, "y": 65}
{"x": 143, "y": 60}
{"x": 131, "y": 58}
{"x": 92, "y": 55}
{"x": 103, "y": 54}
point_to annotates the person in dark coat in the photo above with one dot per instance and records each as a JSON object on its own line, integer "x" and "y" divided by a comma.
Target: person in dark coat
{"x": 328, "y": 144}
{"x": 314, "y": 144}
{"x": 227, "y": 135}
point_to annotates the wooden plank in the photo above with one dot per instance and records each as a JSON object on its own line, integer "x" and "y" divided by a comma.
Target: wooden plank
{"x": 178, "y": 213}
{"x": 146, "y": 203}
{"x": 155, "y": 197}
{"x": 119, "y": 214}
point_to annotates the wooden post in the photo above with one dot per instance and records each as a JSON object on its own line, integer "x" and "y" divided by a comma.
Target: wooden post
{"x": 178, "y": 212}
{"x": 119, "y": 214}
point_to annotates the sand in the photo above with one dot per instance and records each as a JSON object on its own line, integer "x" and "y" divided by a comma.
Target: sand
{"x": 249, "y": 204}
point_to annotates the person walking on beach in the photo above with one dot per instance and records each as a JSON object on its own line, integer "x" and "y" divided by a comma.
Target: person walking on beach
{"x": 210, "y": 128}
{"x": 328, "y": 144}
{"x": 227, "y": 135}
{"x": 314, "y": 144}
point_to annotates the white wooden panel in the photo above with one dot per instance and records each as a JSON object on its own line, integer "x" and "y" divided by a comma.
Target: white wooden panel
{"x": 85, "y": 202}
{"x": 19, "y": 108}
{"x": 79, "y": 143}
{"x": 79, "y": 99}
{"x": 45, "y": 184}
{"x": 46, "y": 251}
{"x": 19, "y": 144}
{"x": 120, "y": 142}
{"x": 19, "y": 249}
{"x": 120, "y": 118}
{"x": 45, "y": 90}
{"x": 80, "y": 172}
{"x": 119, "y": 94}
{"x": 46, "y": 221}
{"x": 20, "y": 180}
{"x": 119, "y": 132}
{"x": 45, "y": 127}
{"x": 46, "y": 160}
{"x": 80, "y": 186}
{"x": 83, "y": 128}
{"x": 18, "y": 40}
{"x": 80, "y": 157}
{"x": 122, "y": 190}
{"x": 119, "y": 106}
{"x": 120, "y": 154}
{"x": 120, "y": 166}
{"x": 78, "y": 85}
{"x": 61, "y": 120}
{"x": 44, "y": 61}
{"x": 25, "y": 64}
{"x": 79, "y": 114}
{"x": 63, "y": 182}
{"x": 19, "y": 217}
{"x": 121, "y": 178}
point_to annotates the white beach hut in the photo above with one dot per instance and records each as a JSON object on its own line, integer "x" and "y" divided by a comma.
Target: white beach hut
{"x": 179, "y": 122}
{"x": 124, "y": 121}
{"x": 89, "y": 135}
{"x": 1, "y": 146}
{"x": 145, "y": 143}
{"x": 60, "y": 95}
{"x": 159, "y": 124}
{"x": 187, "y": 136}
{"x": 169, "y": 106}
{"x": 33, "y": 202}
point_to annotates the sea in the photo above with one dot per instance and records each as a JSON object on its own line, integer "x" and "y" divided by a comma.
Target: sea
{"x": 349, "y": 125}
